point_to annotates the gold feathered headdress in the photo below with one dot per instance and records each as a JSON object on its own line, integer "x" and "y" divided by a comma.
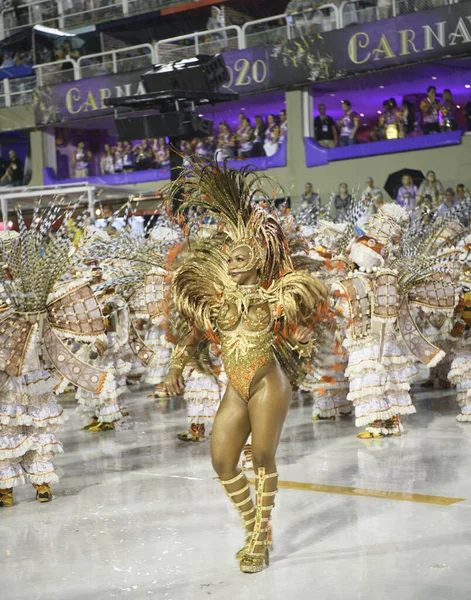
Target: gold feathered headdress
{"x": 229, "y": 195}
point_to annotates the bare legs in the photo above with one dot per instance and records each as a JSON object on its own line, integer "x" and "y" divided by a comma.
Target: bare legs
{"x": 264, "y": 415}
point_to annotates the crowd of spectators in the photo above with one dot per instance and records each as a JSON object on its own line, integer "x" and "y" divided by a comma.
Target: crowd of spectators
{"x": 434, "y": 115}
{"x": 260, "y": 138}
{"x": 9, "y": 60}
{"x": 424, "y": 202}
{"x": 123, "y": 157}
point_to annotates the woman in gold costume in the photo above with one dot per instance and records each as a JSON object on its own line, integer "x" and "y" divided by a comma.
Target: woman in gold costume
{"x": 240, "y": 288}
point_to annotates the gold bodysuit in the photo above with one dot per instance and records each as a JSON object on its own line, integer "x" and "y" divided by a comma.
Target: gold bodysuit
{"x": 246, "y": 341}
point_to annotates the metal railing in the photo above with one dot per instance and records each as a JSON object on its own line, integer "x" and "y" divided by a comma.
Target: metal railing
{"x": 67, "y": 14}
{"x": 15, "y": 92}
{"x": 272, "y": 30}
{"x": 56, "y": 72}
{"x": 44, "y": 12}
{"x": 121, "y": 60}
{"x": 212, "y": 41}
{"x": 80, "y": 12}
{"x": 352, "y": 12}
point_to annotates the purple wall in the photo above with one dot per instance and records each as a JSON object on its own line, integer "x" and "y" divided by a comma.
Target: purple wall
{"x": 317, "y": 156}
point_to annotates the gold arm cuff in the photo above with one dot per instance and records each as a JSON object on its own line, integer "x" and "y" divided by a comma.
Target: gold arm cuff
{"x": 180, "y": 358}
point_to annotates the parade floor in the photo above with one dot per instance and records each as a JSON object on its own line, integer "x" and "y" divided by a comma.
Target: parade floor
{"x": 137, "y": 514}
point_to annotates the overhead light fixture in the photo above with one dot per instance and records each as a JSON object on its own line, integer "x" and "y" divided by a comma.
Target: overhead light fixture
{"x": 467, "y": 86}
{"x": 434, "y": 78}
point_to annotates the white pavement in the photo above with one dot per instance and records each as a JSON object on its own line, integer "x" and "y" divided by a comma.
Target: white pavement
{"x": 138, "y": 514}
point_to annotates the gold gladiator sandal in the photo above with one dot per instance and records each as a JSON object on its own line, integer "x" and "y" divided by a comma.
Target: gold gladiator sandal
{"x": 244, "y": 505}
{"x": 394, "y": 426}
{"x": 100, "y": 426}
{"x": 6, "y": 497}
{"x": 43, "y": 492}
{"x": 93, "y": 423}
{"x": 252, "y": 561}
{"x": 373, "y": 435}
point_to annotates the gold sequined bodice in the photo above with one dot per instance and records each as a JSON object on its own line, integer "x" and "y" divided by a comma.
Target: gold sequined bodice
{"x": 246, "y": 332}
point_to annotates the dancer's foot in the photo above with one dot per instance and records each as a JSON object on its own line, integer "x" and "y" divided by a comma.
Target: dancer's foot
{"x": 254, "y": 563}
{"x": 43, "y": 492}
{"x": 369, "y": 435}
{"x": 159, "y": 392}
{"x": 102, "y": 427}
{"x": 196, "y": 433}
{"x": 6, "y": 497}
{"x": 319, "y": 418}
{"x": 394, "y": 426}
{"x": 269, "y": 542}
{"x": 257, "y": 555}
{"x": 90, "y": 425}
{"x": 427, "y": 384}
{"x": 375, "y": 430}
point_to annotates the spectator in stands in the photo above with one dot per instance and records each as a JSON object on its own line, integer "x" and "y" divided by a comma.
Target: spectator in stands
{"x": 384, "y": 9}
{"x": 310, "y": 198}
{"x": 370, "y": 190}
{"x": 272, "y": 136}
{"x": 348, "y": 124}
{"x": 128, "y": 158}
{"x": 107, "y": 161}
{"x": 240, "y": 126}
{"x": 325, "y": 131}
{"x": 81, "y": 160}
{"x": 202, "y": 148}
{"x": 461, "y": 192}
{"x": 162, "y": 153}
{"x": 15, "y": 171}
{"x": 374, "y": 203}
{"x": 70, "y": 52}
{"x": 186, "y": 149}
{"x": 7, "y": 61}
{"x": 406, "y": 196}
{"x": 432, "y": 186}
{"x": 258, "y": 137}
{"x": 342, "y": 202}
{"x": 379, "y": 132}
{"x": 245, "y": 139}
{"x": 449, "y": 112}
{"x": 118, "y": 158}
{"x": 225, "y": 143}
{"x": 430, "y": 108}
{"x": 389, "y": 121}
{"x": 448, "y": 202}
{"x": 300, "y": 20}
{"x": 217, "y": 21}
{"x": 283, "y": 125}
{"x": 407, "y": 122}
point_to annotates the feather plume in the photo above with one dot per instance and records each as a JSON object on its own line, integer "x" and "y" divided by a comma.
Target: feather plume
{"x": 231, "y": 196}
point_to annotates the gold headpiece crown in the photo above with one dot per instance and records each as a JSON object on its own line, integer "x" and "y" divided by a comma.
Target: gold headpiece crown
{"x": 229, "y": 195}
